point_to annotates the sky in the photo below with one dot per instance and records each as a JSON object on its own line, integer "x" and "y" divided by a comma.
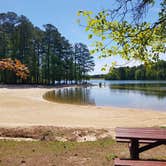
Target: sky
{"x": 63, "y": 14}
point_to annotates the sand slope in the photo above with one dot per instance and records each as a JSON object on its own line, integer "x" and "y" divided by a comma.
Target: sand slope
{"x": 25, "y": 107}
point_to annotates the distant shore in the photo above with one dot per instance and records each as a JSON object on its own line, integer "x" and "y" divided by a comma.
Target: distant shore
{"x": 24, "y": 106}
{"x": 24, "y": 86}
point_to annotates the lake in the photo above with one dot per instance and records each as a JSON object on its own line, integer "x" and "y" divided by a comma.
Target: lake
{"x": 128, "y": 94}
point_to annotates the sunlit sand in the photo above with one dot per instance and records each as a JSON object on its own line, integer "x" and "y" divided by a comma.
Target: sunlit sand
{"x": 26, "y": 107}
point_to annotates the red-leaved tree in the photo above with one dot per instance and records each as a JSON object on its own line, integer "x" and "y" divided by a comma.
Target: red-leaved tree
{"x": 20, "y": 69}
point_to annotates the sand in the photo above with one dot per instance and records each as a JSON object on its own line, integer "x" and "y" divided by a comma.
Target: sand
{"x": 25, "y": 107}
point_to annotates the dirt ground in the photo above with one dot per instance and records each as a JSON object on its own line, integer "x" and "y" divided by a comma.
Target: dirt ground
{"x": 55, "y": 146}
{"x": 46, "y": 153}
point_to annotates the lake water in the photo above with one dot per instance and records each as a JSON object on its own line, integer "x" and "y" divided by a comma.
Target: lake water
{"x": 129, "y": 94}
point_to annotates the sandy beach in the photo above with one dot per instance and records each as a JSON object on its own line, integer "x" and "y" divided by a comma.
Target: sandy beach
{"x": 26, "y": 107}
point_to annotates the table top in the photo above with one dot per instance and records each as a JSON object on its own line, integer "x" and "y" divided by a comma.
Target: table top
{"x": 139, "y": 162}
{"x": 141, "y": 133}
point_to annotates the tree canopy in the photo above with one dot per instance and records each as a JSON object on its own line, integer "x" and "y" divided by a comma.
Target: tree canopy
{"x": 123, "y": 31}
{"x": 46, "y": 53}
{"x": 156, "y": 71}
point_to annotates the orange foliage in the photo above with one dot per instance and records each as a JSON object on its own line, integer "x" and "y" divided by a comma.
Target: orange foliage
{"x": 14, "y": 65}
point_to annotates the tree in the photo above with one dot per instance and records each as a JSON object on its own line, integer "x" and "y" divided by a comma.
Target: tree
{"x": 37, "y": 55}
{"x": 155, "y": 71}
{"x": 135, "y": 39}
{"x": 83, "y": 61}
{"x": 47, "y": 54}
{"x": 14, "y": 65}
{"x": 8, "y": 49}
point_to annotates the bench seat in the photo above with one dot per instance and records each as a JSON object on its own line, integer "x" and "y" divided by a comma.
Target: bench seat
{"x": 140, "y": 141}
{"x": 121, "y": 162}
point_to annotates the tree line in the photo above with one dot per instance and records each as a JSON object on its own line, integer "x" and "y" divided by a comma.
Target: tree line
{"x": 47, "y": 54}
{"x": 155, "y": 71}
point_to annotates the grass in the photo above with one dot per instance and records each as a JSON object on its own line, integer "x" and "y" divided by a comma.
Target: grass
{"x": 164, "y": 127}
{"x": 97, "y": 153}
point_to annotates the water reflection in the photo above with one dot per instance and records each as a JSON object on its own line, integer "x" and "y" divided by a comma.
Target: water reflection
{"x": 76, "y": 95}
{"x": 142, "y": 95}
{"x": 157, "y": 90}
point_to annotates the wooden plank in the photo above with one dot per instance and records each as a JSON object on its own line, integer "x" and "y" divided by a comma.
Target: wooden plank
{"x": 141, "y": 133}
{"x": 119, "y": 162}
{"x": 123, "y": 140}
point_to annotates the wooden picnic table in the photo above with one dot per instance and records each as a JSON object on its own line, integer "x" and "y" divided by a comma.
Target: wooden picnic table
{"x": 135, "y": 136}
{"x": 119, "y": 162}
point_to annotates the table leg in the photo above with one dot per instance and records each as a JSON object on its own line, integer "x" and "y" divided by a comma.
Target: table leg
{"x": 134, "y": 149}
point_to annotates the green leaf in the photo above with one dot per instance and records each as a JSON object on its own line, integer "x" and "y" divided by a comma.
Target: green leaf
{"x": 90, "y": 36}
{"x": 92, "y": 51}
{"x": 103, "y": 69}
{"x": 103, "y": 38}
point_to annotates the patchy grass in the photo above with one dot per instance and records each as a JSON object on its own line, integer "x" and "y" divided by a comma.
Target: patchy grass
{"x": 54, "y": 153}
{"x": 111, "y": 156}
{"x": 46, "y": 150}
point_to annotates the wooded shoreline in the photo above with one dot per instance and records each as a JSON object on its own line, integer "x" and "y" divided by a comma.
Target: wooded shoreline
{"x": 26, "y": 86}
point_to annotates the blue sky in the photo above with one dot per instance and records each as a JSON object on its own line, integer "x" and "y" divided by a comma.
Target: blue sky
{"x": 63, "y": 14}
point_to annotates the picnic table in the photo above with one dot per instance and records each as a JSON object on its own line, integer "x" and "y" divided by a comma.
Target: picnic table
{"x": 135, "y": 136}
{"x": 119, "y": 162}
{"x": 152, "y": 137}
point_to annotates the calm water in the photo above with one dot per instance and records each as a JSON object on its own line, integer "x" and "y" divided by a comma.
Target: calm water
{"x": 133, "y": 94}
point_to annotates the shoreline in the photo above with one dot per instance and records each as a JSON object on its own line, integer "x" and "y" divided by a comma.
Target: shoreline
{"x": 29, "y": 86}
{"x": 25, "y": 107}
{"x": 59, "y": 86}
